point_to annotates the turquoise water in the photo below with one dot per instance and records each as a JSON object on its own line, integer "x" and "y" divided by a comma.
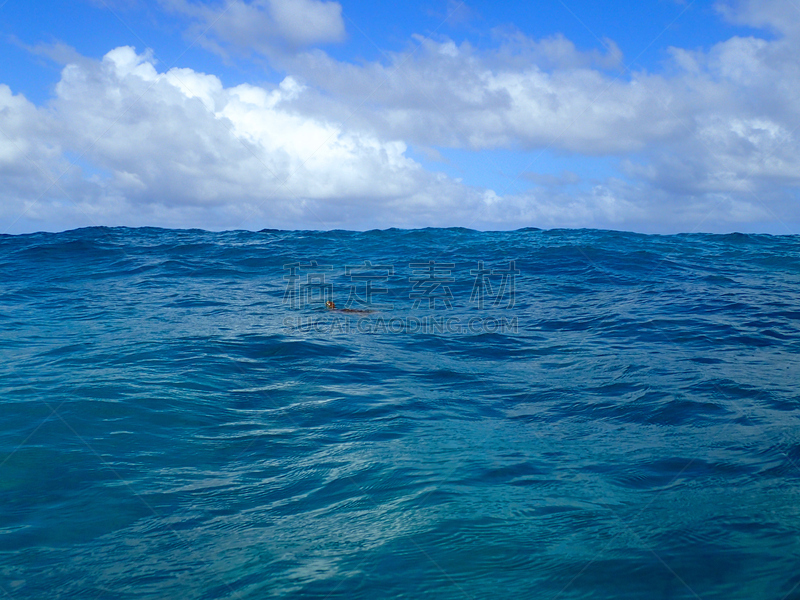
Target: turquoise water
{"x": 610, "y": 415}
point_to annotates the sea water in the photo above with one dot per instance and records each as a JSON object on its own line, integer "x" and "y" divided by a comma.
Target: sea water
{"x": 527, "y": 414}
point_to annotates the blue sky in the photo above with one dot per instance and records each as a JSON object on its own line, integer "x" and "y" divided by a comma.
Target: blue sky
{"x": 655, "y": 116}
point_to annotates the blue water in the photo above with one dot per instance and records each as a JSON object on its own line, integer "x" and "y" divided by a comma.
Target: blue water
{"x": 178, "y": 420}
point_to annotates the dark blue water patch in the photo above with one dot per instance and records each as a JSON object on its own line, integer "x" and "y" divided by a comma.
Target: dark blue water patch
{"x": 169, "y": 430}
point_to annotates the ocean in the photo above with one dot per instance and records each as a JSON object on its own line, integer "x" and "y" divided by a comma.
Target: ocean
{"x": 555, "y": 414}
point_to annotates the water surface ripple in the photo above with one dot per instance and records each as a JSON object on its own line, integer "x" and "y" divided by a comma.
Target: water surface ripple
{"x": 177, "y": 422}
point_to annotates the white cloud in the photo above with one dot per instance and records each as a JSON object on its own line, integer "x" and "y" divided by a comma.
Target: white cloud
{"x": 778, "y": 15}
{"x": 448, "y": 95}
{"x": 178, "y": 148}
{"x": 711, "y": 143}
{"x": 267, "y": 27}
{"x": 29, "y": 156}
{"x": 717, "y": 122}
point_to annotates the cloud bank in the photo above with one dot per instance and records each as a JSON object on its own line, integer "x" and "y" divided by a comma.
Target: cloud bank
{"x": 710, "y": 143}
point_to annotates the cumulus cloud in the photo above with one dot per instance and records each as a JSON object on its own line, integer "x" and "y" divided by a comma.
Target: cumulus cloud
{"x": 181, "y": 146}
{"x": 448, "y": 95}
{"x": 453, "y": 95}
{"x": 778, "y": 15}
{"x": 26, "y": 144}
{"x": 715, "y": 124}
{"x": 180, "y": 149}
{"x": 267, "y": 27}
{"x": 711, "y": 142}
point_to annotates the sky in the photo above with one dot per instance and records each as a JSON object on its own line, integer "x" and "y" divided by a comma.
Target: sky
{"x": 657, "y": 116}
